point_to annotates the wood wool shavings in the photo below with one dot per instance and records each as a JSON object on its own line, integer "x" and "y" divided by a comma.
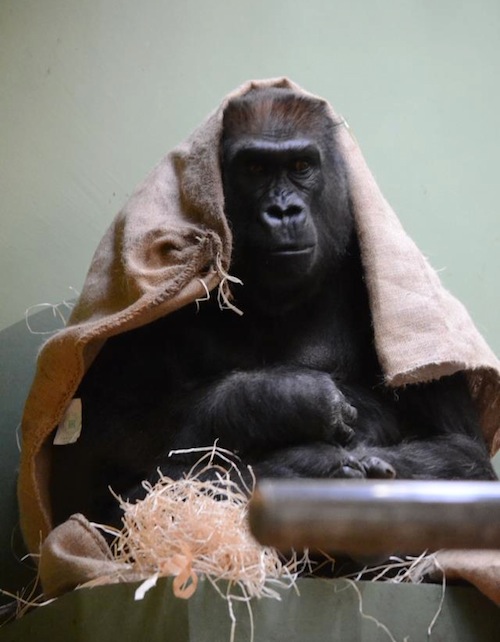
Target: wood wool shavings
{"x": 194, "y": 527}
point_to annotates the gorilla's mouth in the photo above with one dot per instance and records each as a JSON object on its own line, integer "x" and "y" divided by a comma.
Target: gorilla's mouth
{"x": 292, "y": 250}
{"x": 290, "y": 263}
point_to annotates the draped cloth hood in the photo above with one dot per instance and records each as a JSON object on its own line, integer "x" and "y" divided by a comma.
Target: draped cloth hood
{"x": 171, "y": 243}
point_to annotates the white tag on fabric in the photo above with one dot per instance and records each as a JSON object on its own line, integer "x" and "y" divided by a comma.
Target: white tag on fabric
{"x": 70, "y": 427}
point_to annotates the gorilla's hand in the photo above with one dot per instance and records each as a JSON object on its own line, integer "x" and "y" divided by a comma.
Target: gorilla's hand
{"x": 321, "y": 460}
{"x": 342, "y": 416}
{"x": 376, "y": 468}
{"x": 315, "y": 407}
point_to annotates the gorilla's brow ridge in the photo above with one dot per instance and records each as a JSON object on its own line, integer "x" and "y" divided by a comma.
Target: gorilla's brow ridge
{"x": 249, "y": 146}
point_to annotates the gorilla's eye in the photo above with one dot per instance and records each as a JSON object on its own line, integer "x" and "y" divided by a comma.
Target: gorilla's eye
{"x": 255, "y": 168}
{"x": 300, "y": 166}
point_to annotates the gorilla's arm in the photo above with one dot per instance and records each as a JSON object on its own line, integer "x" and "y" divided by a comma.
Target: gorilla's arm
{"x": 439, "y": 438}
{"x": 131, "y": 426}
{"x": 255, "y": 410}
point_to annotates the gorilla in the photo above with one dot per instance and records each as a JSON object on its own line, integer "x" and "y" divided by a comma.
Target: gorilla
{"x": 293, "y": 386}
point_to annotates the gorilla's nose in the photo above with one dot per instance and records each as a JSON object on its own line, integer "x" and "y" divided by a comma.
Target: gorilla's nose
{"x": 278, "y": 215}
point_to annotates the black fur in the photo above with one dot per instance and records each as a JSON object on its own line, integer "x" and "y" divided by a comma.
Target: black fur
{"x": 294, "y": 385}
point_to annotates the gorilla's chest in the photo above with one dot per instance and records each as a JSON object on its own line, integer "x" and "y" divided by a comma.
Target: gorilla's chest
{"x": 318, "y": 338}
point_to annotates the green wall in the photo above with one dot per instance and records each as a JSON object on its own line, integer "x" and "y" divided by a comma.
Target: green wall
{"x": 92, "y": 93}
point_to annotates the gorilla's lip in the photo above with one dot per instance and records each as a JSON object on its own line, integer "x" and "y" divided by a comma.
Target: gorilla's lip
{"x": 289, "y": 250}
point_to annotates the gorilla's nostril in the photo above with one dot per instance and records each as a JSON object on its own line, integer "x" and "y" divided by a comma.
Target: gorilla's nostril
{"x": 276, "y": 213}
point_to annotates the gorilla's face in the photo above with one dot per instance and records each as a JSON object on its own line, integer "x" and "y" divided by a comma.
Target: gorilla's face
{"x": 286, "y": 196}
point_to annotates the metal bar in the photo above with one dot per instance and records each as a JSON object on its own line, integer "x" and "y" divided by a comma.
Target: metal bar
{"x": 368, "y": 517}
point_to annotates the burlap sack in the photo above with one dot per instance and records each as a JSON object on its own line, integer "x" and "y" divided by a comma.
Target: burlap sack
{"x": 172, "y": 235}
